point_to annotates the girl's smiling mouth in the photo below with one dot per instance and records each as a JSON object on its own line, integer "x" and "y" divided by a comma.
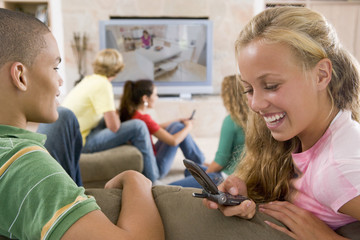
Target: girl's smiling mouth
{"x": 274, "y": 120}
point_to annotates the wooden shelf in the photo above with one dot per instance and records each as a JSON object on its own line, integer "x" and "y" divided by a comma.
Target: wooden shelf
{"x": 37, "y": 8}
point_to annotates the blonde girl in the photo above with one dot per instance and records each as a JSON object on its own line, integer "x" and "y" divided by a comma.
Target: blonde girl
{"x": 303, "y": 89}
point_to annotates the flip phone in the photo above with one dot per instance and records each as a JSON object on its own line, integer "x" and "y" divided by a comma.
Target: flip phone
{"x": 192, "y": 115}
{"x": 210, "y": 190}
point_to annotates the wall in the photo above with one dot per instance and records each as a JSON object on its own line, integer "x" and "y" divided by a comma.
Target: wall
{"x": 228, "y": 18}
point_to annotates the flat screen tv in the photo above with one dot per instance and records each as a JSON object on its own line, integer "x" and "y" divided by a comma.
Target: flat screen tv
{"x": 175, "y": 53}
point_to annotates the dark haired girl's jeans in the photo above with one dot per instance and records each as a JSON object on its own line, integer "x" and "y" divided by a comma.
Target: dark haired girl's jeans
{"x": 133, "y": 131}
{"x": 189, "y": 180}
{"x": 165, "y": 153}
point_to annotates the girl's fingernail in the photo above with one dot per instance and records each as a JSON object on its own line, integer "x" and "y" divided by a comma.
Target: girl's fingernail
{"x": 233, "y": 191}
{"x": 248, "y": 204}
{"x": 213, "y": 205}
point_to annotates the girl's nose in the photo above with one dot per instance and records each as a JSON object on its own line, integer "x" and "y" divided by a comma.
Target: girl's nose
{"x": 258, "y": 102}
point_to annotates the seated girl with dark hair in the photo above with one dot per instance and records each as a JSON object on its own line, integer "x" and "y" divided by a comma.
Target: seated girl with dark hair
{"x": 142, "y": 94}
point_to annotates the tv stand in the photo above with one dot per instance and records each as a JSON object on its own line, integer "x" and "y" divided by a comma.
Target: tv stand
{"x": 184, "y": 96}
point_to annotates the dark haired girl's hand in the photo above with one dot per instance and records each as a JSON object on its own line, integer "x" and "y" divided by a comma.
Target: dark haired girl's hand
{"x": 183, "y": 119}
{"x": 301, "y": 223}
{"x": 234, "y": 186}
{"x": 187, "y": 123}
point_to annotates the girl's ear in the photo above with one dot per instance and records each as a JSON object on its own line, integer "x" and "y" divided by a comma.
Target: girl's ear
{"x": 145, "y": 98}
{"x": 324, "y": 72}
{"x": 18, "y": 77}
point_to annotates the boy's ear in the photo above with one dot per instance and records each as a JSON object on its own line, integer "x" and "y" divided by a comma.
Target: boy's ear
{"x": 324, "y": 73}
{"x": 18, "y": 77}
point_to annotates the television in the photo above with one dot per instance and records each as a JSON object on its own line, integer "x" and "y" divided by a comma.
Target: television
{"x": 176, "y": 53}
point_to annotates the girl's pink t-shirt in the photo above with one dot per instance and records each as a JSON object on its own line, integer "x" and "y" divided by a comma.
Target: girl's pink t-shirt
{"x": 330, "y": 172}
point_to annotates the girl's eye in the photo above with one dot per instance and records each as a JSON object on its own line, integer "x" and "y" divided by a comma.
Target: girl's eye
{"x": 56, "y": 68}
{"x": 271, "y": 87}
{"x": 248, "y": 91}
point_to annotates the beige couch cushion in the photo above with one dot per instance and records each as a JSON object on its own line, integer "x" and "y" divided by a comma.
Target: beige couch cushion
{"x": 99, "y": 167}
{"x": 185, "y": 217}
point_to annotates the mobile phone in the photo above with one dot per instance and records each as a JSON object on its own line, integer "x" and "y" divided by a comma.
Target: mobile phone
{"x": 192, "y": 114}
{"x": 210, "y": 190}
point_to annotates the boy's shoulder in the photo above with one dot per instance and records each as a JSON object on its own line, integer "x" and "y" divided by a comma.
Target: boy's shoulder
{"x": 10, "y": 136}
{"x": 15, "y": 142}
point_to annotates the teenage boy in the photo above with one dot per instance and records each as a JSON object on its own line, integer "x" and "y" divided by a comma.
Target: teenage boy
{"x": 42, "y": 201}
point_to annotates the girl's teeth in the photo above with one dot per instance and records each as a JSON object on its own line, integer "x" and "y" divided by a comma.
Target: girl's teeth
{"x": 274, "y": 118}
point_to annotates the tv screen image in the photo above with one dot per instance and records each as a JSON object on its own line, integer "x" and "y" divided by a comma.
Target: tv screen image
{"x": 175, "y": 53}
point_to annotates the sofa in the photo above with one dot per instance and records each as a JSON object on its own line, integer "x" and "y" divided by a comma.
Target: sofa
{"x": 184, "y": 217}
{"x": 98, "y": 168}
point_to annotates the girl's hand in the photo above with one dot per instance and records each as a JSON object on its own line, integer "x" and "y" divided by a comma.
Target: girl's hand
{"x": 234, "y": 186}
{"x": 301, "y": 224}
{"x": 187, "y": 122}
{"x": 182, "y": 120}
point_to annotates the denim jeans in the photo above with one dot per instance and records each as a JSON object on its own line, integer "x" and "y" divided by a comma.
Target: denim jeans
{"x": 189, "y": 180}
{"x": 64, "y": 142}
{"x": 133, "y": 131}
{"x": 165, "y": 153}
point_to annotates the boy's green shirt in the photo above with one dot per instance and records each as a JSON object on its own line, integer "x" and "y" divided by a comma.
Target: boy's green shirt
{"x": 38, "y": 199}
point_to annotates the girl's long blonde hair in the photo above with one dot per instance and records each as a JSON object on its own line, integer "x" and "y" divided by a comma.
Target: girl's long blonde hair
{"x": 234, "y": 101}
{"x": 267, "y": 166}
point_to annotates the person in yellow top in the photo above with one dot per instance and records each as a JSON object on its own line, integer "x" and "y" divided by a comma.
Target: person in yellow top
{"x": 92, "y": 102}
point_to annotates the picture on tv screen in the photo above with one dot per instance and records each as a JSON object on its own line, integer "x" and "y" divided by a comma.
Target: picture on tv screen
{"x": 167, "y": 51}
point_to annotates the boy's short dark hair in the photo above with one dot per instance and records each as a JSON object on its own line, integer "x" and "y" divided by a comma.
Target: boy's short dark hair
{"x": 20, "y": 36}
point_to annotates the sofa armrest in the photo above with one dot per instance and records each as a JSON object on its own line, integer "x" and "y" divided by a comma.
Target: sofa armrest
{"x": 184, "y": 217}
{"x": 99, "y": 167}
{"x": 109, "y": 200}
